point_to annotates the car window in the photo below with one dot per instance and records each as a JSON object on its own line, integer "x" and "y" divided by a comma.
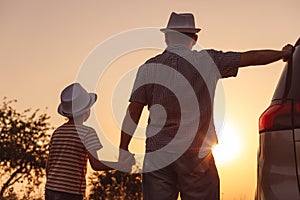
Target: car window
{"x": 281, "y": 85}
{"x": 295, "y": 86}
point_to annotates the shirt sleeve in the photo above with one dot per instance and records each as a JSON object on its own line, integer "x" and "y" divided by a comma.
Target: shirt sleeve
{"x": 139, "y": 93}
{"x": 92, "y": 142}
{"x": 227, "y": 62}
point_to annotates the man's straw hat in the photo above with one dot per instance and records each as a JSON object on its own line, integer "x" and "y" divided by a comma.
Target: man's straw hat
{"x": 183, "y": 23}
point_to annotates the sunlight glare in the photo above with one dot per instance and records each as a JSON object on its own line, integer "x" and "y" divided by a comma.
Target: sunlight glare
{"x": 229, "y": 146}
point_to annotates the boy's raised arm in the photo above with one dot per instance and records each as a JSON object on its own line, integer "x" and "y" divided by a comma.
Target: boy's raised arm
{"x": 98, "y": 165}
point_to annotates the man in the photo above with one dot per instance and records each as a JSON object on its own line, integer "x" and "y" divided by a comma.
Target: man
{"x": 178, "y": 87}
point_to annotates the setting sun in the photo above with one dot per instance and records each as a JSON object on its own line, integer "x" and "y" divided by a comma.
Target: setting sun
{"x": 229, "y": 146}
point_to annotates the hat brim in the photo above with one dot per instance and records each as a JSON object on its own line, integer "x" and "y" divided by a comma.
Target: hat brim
{"x": 181, "y": 30}
{"x": 93, "y": 99}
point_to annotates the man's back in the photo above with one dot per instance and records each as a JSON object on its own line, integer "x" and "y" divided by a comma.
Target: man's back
{"x": 178, "y": 86}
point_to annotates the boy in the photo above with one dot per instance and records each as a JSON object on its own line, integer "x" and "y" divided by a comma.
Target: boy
{"x": 71, "y": 145}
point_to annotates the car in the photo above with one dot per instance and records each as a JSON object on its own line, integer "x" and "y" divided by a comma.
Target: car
{"x": 278, "y": 160}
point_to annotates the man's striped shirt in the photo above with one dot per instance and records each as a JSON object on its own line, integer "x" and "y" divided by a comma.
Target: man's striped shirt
{"x": 68, "y": 154}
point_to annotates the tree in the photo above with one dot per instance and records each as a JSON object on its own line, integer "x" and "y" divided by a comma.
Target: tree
{"x": 24, "y": 146}
{"x": 115, "y": 185}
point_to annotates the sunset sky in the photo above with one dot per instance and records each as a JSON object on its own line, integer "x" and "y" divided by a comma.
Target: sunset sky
{"x": 44, "y": 44}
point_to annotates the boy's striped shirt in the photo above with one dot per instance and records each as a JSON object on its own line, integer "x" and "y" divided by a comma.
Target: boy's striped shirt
{"x": 68, "y": 154}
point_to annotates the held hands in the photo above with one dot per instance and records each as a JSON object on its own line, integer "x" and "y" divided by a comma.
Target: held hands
{"x": 287, "y": 51}
{"x": 126, "y": 160}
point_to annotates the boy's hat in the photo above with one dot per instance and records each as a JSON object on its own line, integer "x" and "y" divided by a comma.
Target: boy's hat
{"x": 184, "y": 23}
{"x": 75, "y": 100}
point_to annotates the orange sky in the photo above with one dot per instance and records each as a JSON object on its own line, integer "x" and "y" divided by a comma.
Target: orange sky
{"x": 44, "y": 43}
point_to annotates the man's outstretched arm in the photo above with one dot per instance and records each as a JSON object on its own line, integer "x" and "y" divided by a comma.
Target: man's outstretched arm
{"x": 262, "y": 57}
{"x": 130, "y": 123}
